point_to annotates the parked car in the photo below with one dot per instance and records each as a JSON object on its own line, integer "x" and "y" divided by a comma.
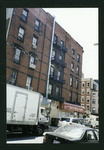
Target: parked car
{"x": 72, "y": 134}
{"x": 69, "y": 121}
{"x": 86, "y": 122}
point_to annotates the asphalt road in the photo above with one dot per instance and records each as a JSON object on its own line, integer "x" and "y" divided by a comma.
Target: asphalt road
{"x": 18, "y": 137}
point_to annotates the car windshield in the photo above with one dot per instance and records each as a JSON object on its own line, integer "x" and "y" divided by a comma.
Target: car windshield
{"x": 65, "y": 119}
{"x": 71, "y": 131}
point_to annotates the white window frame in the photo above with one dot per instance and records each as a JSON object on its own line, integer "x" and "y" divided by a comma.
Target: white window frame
{"x": 28, "y": 82}
{"x": 34, "y": 42}
{"x": 57, "y": 88}
{"x": 89, "y": 107}
{"x": 13, "y": 79}
{"x": 21, "y": 33}
{"x": 88, "y": 98}
{"x": 53, "y": 54}
{"x": 83, "y": 83}
{"x": 78, "y": 70}
{"x": 88, "y": 91}
{"x": 58, "y": 75}
{"x": 82, "y": 98}
{"x": 24, "y": 15}
{"x": 71, "y": 81}
{"x": 83, "y": 90}
{"x": 17, "y": 54}
{"x": 72, "y": 65}
{"x": 52, "y": 71}
{"x": 88, "y": 83}
{"x": 76, "y": 83}
{"x": 37, "y": 24}
{"x": 50, "y": 89}
{"x": 78, "y": 58}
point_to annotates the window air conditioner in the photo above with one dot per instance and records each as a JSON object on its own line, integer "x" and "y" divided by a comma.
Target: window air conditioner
{"x": 32, "y": 66}
{"x": 72, "y": 69}
{"x": 34, "y": 45}
{"x": 73, "y": 56}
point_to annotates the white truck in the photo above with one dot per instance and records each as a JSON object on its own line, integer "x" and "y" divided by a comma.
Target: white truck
{"x": 24, "y": 112}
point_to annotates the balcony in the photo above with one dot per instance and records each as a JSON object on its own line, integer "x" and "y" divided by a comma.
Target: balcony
{"x": 55, "y": 78}
{"x": 61, "y": 47}
{"x": 56, "y": 97}
{"x": 59, "y": 62}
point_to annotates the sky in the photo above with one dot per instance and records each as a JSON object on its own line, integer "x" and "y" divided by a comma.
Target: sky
{"x": 82, "y": 25}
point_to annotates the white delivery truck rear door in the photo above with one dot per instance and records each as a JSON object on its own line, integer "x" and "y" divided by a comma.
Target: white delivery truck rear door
{"x": 19, "y": 106}
{"x": 22, "y": 105}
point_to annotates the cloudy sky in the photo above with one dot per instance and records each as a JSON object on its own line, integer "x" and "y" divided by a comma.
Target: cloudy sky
{"x": 82, "y": 25}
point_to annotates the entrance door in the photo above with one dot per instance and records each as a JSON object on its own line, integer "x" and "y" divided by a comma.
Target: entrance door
{"x": 19, "y": 107}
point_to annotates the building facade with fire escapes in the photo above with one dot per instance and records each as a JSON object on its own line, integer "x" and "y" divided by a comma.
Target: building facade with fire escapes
{"x": 38, "y": 61}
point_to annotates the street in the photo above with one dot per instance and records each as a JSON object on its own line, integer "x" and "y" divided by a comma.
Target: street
{"x": 17, "y": 138}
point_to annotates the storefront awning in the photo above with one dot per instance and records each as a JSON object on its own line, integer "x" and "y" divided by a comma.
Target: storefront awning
{"x": 72, "y": 107}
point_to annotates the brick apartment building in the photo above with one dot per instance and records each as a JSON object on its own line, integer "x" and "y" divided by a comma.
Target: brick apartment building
{"x": 90, "y": 96}
{"x": 31, "y": 51}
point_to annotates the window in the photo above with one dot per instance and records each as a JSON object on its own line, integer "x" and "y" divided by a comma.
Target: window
{"x": 53, "y": 54}
{"x": 83, "y": 91}
{"x": 88, "y": 107}
{"x": 24, "y": 15}
{"x": 71, "y": 81}
{"x": 61, "y": 43}
{"x": 88, "y": 84}
{"x": 93, "y": 101}
{"x": 50, "y": 89}
{"x": 93, "y": 110}
{"x": 78, "y": 58}
{"x": 57, "y": 91}
{"x": 52, "y": 71}
{"x": 13, "y": 77}
{"x": 17, "y": 55}
{"x": 32, "y": 62}
{"x": 82, "y": 98}
{"x": 88, "y": 99}
{"x": 77, "y": 70}
{"x": 76, "y": 97}
{"x": 82, "y": 105}
{"x": 90, "y": 135}
{"x": 76, "y": 84}
{"x": 21, "y": 34}
{"x": 93, "y": 94}
{"x": 58, "y": 75}
{"x": 83, "y": 84}
{"x": 97, "y": 134}
{"x": 60, "y": 57}
{"x": 72, "y": 66}
{"x": 70, "y": 96}
{"x": 55, "y": 39}
{"x": 28, "y": 83}
{"x": 88, "y": 91}
{"x": 34, "y": 42}
{"x": 73, "y": 53}
{"x": 37, "y": 24}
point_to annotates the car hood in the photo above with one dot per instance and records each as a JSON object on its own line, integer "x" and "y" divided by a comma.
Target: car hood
{"x": 64, "y": 136}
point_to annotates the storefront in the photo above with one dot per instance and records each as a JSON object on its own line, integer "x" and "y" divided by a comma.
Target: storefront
{"x": 71, "y": 110}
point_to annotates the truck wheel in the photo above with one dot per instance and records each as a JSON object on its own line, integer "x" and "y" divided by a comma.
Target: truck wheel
{"x": 40, "y": 131}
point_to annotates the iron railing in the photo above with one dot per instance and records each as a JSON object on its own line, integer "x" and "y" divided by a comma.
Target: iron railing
{"x": 59, "y": 62}
{"x": 61, "y": 47}
{"x": 59, "y": 80}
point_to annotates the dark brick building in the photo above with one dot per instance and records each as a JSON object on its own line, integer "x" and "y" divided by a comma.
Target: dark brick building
{"x": 28, "y": 45}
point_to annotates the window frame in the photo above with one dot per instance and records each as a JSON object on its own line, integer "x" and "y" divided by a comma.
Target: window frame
{"x": 16, "y": 60}
{"x": 23, "y": 16}
{"x": 78, "y": 57}
{"x": 77, "y": 70}
{"x": 73, "y": 53}
{"x": 82, "y": 91}
{"x": 82, "y": 98}
{"x": 77, "y": 84}
{"x": 19, "y": 37}
{"x": 71, "y": 82}
{"x": 52, "y": 72}
{"x": 58, "y": 75}
{"x": 57, "y": 94}
{"x": 53, "y": 56}
{"x": 50, "y": 90}
{"x": 70, "y": 96}
{"x": 28, "y": 85}
{"x": 11, "y": 79}
{"x": 37, "y": 26}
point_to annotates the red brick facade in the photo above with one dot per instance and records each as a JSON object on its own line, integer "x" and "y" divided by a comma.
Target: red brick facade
{"x": 39, "y": 74}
